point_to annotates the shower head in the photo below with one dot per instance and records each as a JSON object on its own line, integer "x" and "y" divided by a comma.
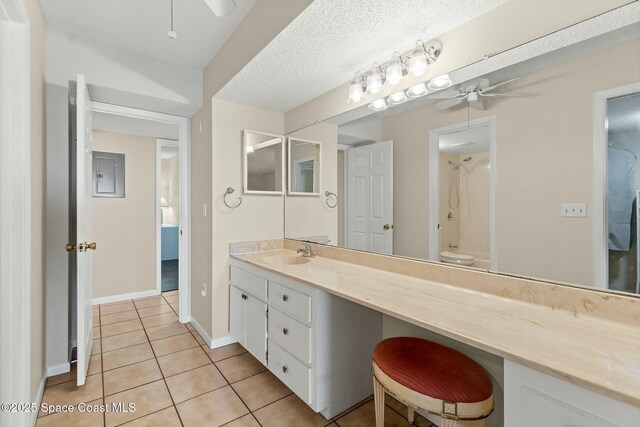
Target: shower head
{"x": 467, "y": 159}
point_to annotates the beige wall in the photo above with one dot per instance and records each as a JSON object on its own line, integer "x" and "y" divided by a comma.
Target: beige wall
{"x": 340, "y": 208}
{"x": 124, "y": 228}
{"x": 510, "y": 25}
{"x": 170, "y": 189}
{"x": 264, "y": 22}
{"x": 258, "y": 218}
{"x": 544, "y": 154}
{"x": 309, "y": 215}
{"x": 37, "y": 103}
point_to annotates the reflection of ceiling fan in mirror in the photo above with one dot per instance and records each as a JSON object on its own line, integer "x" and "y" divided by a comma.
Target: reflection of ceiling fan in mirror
{"x": 473, "y": 92}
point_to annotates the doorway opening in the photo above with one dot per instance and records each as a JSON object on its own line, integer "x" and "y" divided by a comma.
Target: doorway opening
{"x": 462, "y": 194}
{"x": 168, "y": 196}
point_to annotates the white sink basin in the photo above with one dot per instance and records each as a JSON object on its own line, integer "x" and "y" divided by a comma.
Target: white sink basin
{"x": 286, "y": 260}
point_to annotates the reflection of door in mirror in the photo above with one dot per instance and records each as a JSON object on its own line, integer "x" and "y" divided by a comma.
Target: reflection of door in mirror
{"x": 370, "y": 197}
{"x": 303, "y": 178}
{"x": 623, "y": 187}
{"x": 464, "y": 196}
{"x": 304, "y": 167}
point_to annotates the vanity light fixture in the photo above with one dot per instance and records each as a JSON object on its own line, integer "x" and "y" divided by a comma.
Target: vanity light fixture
{"x": 378, "y": 105}
{"x": 375, "y": 79}
{"x": 397, "y": 98}
{"x": 440, "y": 82}
{"x": 417, "y": 91}
{"x": 391, "y": 73}
{"x": 356, "y": 88}
{"x": 394, "y": 70}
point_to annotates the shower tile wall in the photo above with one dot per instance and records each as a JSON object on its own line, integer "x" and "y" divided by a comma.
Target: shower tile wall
{"x": 469, "y": 228}
{"x": 474, "y": 206}
{"x": 449, "y": 229}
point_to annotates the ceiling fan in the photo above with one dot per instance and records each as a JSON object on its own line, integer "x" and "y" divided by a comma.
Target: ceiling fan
{"x": 218, "y": 7}
{"x": 221, "y": 7}
{"x": 473, "y": 92}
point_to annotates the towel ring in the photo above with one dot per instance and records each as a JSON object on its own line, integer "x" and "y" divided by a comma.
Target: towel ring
{"x": 230, "y": 190}
{"x": 328, "y": 194}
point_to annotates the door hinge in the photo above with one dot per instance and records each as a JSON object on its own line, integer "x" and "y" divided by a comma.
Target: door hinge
{"x": 266, "y": 312}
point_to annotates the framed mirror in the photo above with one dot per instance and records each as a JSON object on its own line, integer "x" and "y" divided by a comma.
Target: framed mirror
{"x": 304, "y": 167}
{"x": 263, "y": 163}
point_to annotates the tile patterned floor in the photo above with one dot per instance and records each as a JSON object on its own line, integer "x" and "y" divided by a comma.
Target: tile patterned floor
{"x": 141, "y": 354}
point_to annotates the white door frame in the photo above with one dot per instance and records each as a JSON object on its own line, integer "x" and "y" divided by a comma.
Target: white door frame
{"x": 161, "y": 142}
{"x": 599, "y": 209}
{"x": 184, "y": 144}
{"x": 15, "y": 210}
{"x": 434, "y": 185}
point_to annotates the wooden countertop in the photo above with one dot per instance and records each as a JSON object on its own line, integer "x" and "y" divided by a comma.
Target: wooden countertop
{"x": 591, "y": 351}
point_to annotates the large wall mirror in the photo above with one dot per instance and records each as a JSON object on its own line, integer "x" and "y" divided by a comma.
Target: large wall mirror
{"x": 263, "y": 158}
{"x": 304, "y": 167}
{"x": 530, "y": 169}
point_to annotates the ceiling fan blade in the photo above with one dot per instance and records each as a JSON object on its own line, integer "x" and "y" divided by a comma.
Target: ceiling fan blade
{"x": 448, "y": 103}
{"x": 498, "y": 94}
{"x": 486, "y": 89}
{"x": 446, "y": 94}
{"x": 221, "y": 7}
{"x": 477, "y": 104}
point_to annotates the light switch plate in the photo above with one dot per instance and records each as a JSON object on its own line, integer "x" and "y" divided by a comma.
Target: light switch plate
{"x": 573, "y": 210}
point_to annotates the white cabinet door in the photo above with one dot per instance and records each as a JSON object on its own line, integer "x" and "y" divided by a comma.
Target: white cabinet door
{"x": 256, "y": 328}
{"x": 237, "y": 315}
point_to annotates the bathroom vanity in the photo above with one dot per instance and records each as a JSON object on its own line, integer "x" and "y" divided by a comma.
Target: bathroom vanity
{"x": 569, "y": 355}
{"x": 318, "y": 344}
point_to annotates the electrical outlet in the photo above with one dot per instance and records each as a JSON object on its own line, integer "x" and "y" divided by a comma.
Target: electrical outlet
{"x": 204, "y": 290}
{"x": 573, "y": 210}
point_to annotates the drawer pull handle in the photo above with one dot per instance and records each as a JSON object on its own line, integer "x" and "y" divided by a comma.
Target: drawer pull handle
{"x": 285, "y": 297}
{"x": 285, "y": 331}
{"x": 244, "y": 296}
{"x": 285, "y": 369}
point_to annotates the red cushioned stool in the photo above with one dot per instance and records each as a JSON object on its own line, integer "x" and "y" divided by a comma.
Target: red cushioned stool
{"x": 431, "y": 377}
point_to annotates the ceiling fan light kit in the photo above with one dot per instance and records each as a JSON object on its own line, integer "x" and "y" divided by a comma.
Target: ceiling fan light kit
{"x": 473, "y": 92}
{"x": 414, "y": 62}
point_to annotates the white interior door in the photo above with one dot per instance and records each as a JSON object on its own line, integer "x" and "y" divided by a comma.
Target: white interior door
{"x": 370, "y": 197}
{"x": 81, "y": 209}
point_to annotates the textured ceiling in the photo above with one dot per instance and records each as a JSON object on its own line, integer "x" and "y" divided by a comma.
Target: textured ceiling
{"x": 331, "y": 39}
{"x": 141, "y": 26}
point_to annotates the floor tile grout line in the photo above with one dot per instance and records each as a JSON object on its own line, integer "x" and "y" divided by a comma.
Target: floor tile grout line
{"x": 104, "y": 413}
{"x": 216, "y": 361}
{"x": 271, "y": 403}
{"x": 163, "y": 377}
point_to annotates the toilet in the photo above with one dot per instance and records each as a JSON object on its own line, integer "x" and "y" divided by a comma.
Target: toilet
{"x": 455, "y": 258}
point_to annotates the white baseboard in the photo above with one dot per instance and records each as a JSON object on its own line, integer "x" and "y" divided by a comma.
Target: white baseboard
{"x": 62, "y": 368}
{"x": 205, "y": 336}
{"x": 34, "y": 414}
{"x": 125, "y": 297}
{"x": 221, "y": 342}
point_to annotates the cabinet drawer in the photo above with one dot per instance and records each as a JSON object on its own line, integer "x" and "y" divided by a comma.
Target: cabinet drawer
{"x": 255, "y": 285}
{"x": 293, "y": 373}
{"x": 290, "y": 301}
{"x": 290, "y": 334}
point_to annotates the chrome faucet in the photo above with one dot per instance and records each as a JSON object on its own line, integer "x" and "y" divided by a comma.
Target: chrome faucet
{"x": 306, "y": 251}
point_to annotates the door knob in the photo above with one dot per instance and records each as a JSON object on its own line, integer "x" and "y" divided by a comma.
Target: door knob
{"x": 70, "y": 247}
{"x": 91, "y": 246}
{"x": 387, "y": 226}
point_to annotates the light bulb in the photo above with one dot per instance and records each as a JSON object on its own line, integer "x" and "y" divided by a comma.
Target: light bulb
{"x": 355, "y": 90}
{"x": 417, "y": 91}
{"x": 397, "y": 98}
{"x": 394, "y": 70}
{"x": 440, "y": 82}
{"x": 374, "y": 79}
{"x": 417, "y": 62}
{"x": 378, "y": 105}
